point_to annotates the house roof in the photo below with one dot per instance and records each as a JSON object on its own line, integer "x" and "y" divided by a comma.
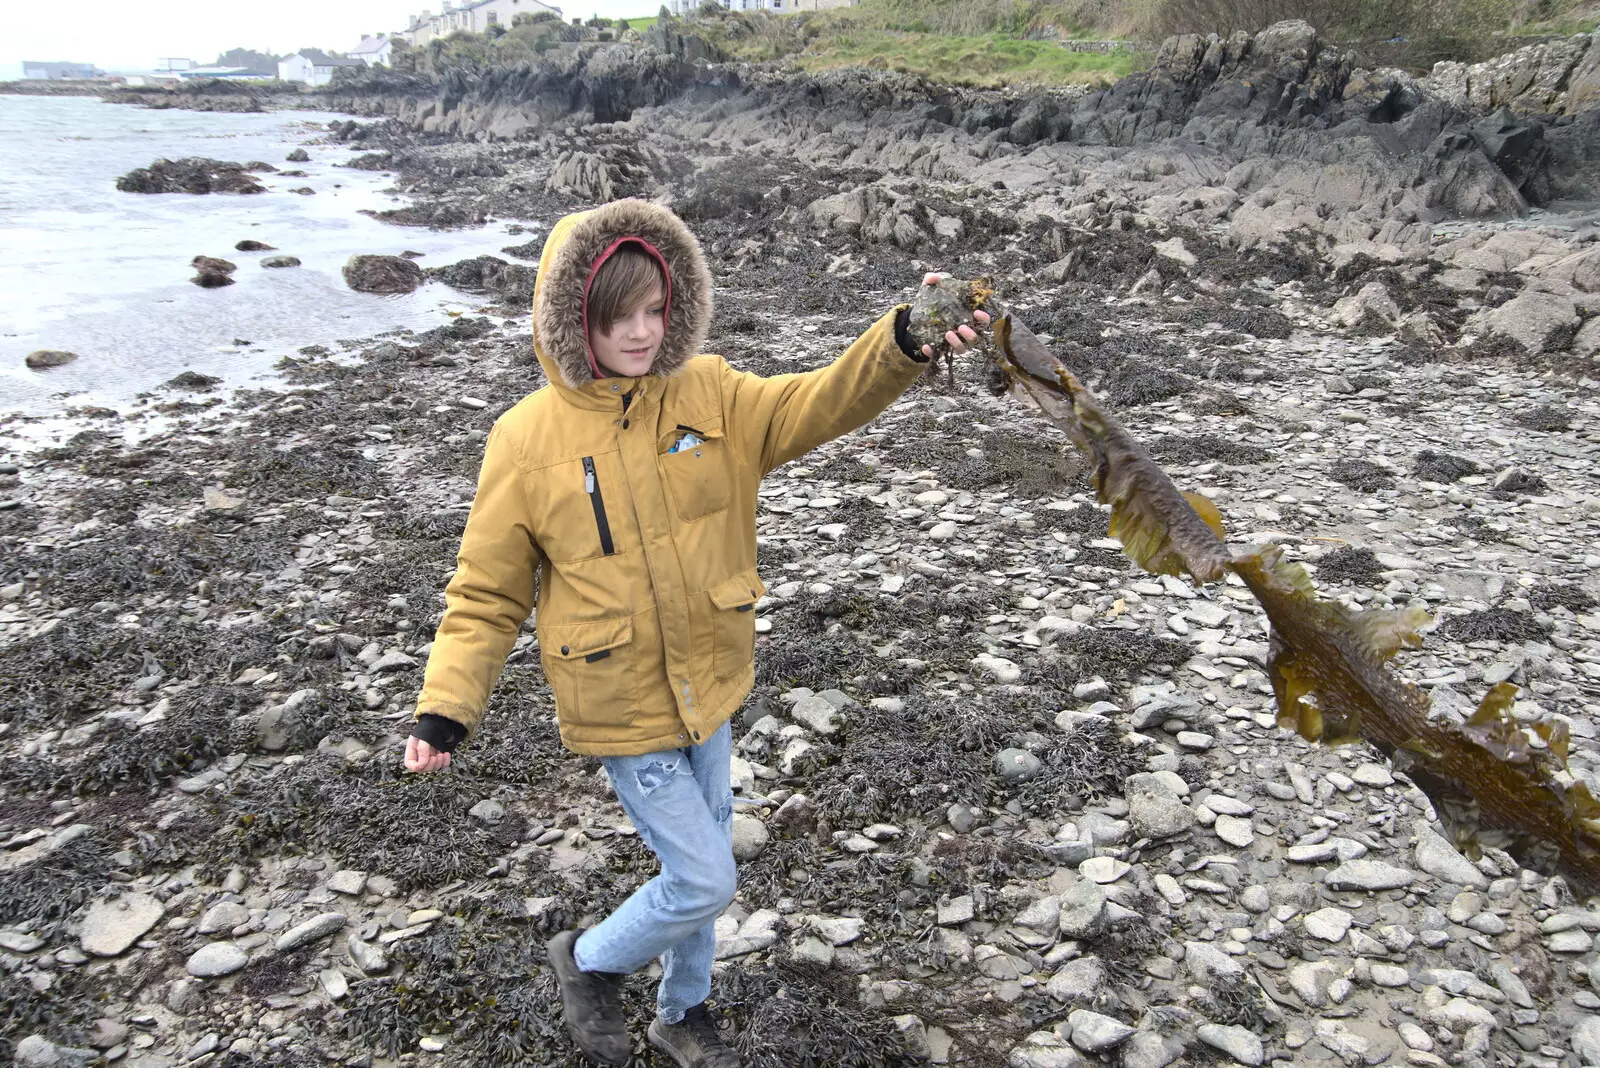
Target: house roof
{"x": 370, "y": 46}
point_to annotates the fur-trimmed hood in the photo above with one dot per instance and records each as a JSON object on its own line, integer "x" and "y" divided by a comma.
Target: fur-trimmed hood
{"x": 576, "y": 247}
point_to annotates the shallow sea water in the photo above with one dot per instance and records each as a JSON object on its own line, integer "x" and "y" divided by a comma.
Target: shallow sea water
{"x": 105, "y": 274}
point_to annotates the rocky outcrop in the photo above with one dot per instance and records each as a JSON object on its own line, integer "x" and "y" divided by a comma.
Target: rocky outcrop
{"x": 590, "y": 82}
{"x": 1559, "y": 77}
{"x": 584, "y": 175}
{"x": 382, "y": 274}
{"x": 194, "y": 175}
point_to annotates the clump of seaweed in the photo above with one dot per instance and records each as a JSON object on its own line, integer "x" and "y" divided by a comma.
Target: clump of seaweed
{"x": 818, "y": 663}
{"x": 1477, "y": 527}
{"x": 1363, "y": 476}
{"x": 200, "y": 725}
{"x": 1115, "y": 654}
{"x": 414, "y": 829}
{"x": 1013, "y": 461}
{"x": 278, "y": 974}
{"x": 1548, "y": 417}
{"x": 898, "y": 765}
{"x": 1088, "y": 763}
{"x": 1235, "y": 1000}
{"x": 786, "y": 1017}
{"x": 1496, "y": 624}
{"x": 1350, "y": 563}
{"x": 1562, "y": 595}
{"x": 485, "y": 984}
{"x": 1202, "y": 448}
{"x": 44, "y": 893}
{"x": 1079, "y": 519}
{"x": 274, "y": 473}
{"x": 1432, "y": 466}
{"x": 1138, "y": 382}
{"x": 518, "y": 741}
{"x": 61, "y": 1013}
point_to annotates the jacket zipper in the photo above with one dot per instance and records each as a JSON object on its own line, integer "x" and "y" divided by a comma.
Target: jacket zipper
{"x": 591, "y": 486}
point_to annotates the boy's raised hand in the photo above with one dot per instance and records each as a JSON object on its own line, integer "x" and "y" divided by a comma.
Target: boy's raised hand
{"x": 422, "y": 757}
{"x": 959, "y": 338}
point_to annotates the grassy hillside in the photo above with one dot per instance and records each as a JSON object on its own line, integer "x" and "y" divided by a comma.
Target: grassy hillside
{"x": 962, "y": 42}
{"x": 987, "y": 60}
{"x": 1013, "y": 41}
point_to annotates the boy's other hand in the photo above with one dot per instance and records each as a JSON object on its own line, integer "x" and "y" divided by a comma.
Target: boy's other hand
{"x": 422, "y": 757}
{"x": 962, "y": 336}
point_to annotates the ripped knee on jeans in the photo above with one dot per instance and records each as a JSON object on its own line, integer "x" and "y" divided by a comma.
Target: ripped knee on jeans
{"x": 657, "y": 774}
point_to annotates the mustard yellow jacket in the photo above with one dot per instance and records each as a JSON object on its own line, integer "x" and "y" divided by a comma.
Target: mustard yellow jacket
{"x": 643, "y": 562}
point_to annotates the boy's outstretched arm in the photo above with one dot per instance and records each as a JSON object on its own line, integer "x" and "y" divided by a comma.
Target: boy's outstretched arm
{"x": 773, "y": 420}
{"x": 486, "y": 603}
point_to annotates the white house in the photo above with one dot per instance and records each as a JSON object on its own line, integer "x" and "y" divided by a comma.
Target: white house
{"x": 473, "y": 16}
{"x": 373, "y": 50}
{"x": 309, "y": 66}
{"x": 486, "y": 13}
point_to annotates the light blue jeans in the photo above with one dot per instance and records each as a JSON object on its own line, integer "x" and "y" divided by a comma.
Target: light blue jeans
{"x": 681, "y": 801}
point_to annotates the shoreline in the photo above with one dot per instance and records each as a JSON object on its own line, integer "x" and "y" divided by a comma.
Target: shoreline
{"x": 219, "y": 633}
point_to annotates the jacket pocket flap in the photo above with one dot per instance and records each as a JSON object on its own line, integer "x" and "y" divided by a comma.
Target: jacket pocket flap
{"x": 742, "y": 589}
{"x": 709, "y": 429}
{"x": 584, "y": 639}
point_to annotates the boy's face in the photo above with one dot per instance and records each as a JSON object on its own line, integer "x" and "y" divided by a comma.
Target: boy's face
{"x": 630, "y": 350}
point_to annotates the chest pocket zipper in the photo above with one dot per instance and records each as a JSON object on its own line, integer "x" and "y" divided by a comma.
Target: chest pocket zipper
{"x": 591, "y": 486}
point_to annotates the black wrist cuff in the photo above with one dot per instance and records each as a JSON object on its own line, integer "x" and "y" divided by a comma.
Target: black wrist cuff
{"x": 441, "y": 732}
{"x": 902, "y": 336}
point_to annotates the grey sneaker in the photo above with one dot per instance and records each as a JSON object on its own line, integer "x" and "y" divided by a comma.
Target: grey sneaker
{"x": 693, "y": 1042}
{"x": 591, "y": 1002}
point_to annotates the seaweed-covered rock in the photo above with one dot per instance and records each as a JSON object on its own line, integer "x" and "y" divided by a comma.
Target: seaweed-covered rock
{"x": 247, "y": 245}
{"x": 382, "y": 274}
{"x": 299, "y": 155}
{"x": 510, "y": 283}
{"x": 44, "y": 359}
{"x": 193, "y": 175}
{"x": 281, "y": 261}
{"x": 192, "y": 380}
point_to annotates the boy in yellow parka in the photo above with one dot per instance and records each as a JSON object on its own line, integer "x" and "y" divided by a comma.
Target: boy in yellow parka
{"x": 624, "y": 493}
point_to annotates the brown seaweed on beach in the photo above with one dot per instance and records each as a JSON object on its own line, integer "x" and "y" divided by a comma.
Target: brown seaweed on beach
{"x": 1328, "y": 664}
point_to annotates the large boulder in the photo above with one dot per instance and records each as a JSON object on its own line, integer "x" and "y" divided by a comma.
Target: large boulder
{"x": 193, "y": 175}
{"x": 382, "y": 274}
{"x": 1371, "y": 308}
{"x": 1537, "y": 321}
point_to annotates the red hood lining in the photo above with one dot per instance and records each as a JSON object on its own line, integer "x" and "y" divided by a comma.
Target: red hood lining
{"x": 594, "y": 269}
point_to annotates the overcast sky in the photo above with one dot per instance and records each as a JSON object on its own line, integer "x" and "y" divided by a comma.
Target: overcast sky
{"x": 119, "y": 35}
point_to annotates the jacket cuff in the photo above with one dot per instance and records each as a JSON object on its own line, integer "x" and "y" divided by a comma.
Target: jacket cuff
{"x": 441, "y": 732}
{"x": 902, "y": 334}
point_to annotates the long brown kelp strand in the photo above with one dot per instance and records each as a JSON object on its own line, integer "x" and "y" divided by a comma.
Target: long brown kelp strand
{"x": 1328, "y": 664}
